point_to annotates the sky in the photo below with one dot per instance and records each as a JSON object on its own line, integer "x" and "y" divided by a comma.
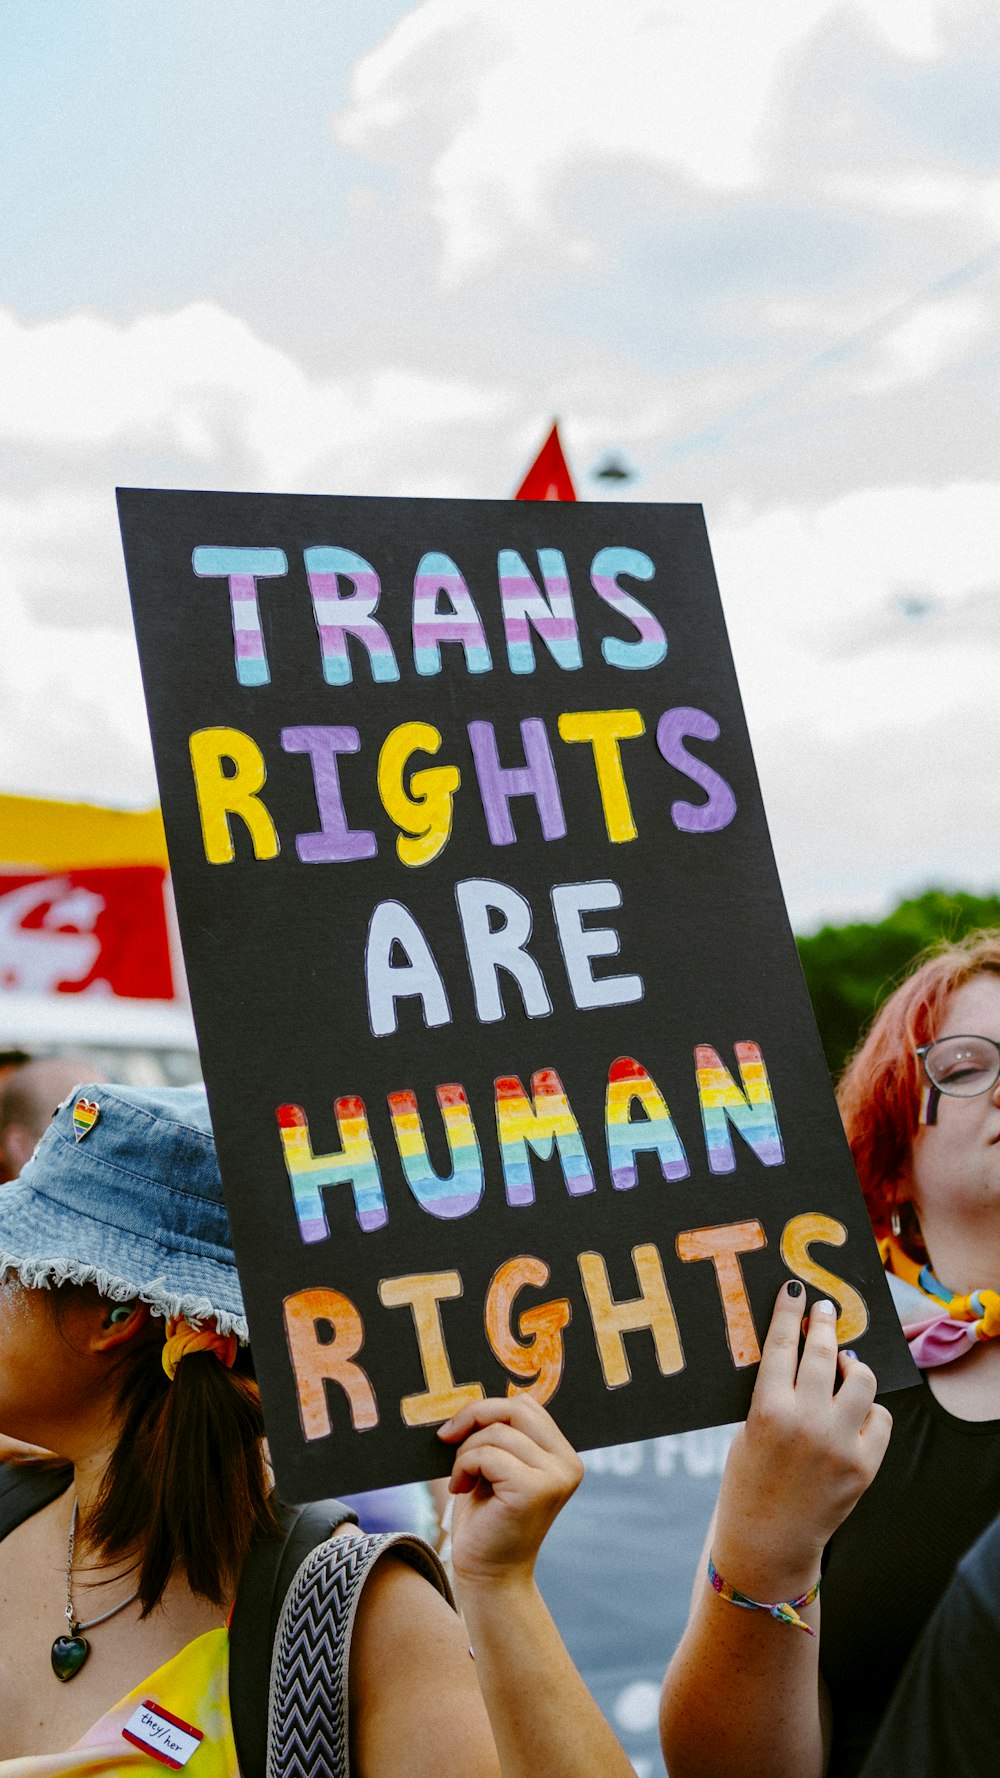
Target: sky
{"x": 750, "y": 247}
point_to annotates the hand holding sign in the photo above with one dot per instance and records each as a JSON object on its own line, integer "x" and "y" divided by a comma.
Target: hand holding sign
{"x": 513, "y": 1473}
{"x": 512, "y": 1070}
{"x": 805, "y": 1456}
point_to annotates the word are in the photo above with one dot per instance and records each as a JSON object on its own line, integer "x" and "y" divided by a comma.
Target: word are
{"x": 325, "y": 1331}
{"x": 526, "y": 609}
{"x": 528, "y": 1123}
{"x": 230, "y": 771}
{"x": 496, "y": 923}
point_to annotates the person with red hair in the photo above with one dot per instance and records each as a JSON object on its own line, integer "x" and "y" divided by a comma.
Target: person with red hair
{"x": 815, "y": 1488}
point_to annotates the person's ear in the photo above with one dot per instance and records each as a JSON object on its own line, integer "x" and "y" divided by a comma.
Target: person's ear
{"x": 119, "y": 1323}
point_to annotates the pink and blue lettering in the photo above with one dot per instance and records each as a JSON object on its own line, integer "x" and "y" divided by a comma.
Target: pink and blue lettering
{"x": 672, "y": 730}
{"x": 353, "y": 615}
{"x": 242, "y": 568}
{"x": 525, "y": 608}
{"x": 438, "y": 575}
{"x": 749, "y": 1109}
{"x": 335, "y": 843}
{"x": 628, "y": 1084}
{"x": 499, "y": 784}
{"x": 457, "y": 1192}
{"x": 651, "y": 647}
{"x": 538, "y": 1123}
{"x": 355, "y": 1165}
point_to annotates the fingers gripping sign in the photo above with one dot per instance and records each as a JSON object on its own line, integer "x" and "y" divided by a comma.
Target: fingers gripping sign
{"x": 513, "y": 1473}
{"x": 806, "y": 1454}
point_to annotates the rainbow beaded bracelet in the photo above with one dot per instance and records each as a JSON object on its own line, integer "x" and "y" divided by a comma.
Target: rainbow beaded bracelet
{"x": 785, "y": 1610}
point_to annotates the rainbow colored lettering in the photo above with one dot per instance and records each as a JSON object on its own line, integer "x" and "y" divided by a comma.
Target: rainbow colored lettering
{"x": 462, "y": 1189}
{"x": 537, "y": 1123}
{"x": 356, "y": 1165}
{"x": 751, "y": 1110}
{"x": 628, "y": 1081}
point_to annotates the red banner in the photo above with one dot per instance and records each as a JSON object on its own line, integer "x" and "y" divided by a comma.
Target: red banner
{"x": 85, "y": 931}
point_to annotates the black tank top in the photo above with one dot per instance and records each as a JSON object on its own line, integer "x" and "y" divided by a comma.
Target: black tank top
{"x": 887, "y": 1566}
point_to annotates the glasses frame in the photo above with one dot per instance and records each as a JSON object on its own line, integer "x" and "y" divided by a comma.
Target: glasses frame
{"x": 956, "y": 1037}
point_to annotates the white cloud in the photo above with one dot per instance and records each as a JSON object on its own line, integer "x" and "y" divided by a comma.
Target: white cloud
{"x": 198, "y": 380}
{"x": 935, "y": 335}
{"x": 88, "y": 402}
{"x": 493, "y": 106}
{"x": 810, "y": 597}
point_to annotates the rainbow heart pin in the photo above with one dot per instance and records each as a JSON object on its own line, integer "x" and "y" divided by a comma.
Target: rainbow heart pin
{"x": 85, "y": 1115}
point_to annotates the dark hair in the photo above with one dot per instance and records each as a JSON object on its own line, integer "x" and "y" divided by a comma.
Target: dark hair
{"x": 187, "y": 1485}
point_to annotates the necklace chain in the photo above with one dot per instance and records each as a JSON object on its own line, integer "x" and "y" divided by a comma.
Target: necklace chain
{"x": 74, "y": 1627}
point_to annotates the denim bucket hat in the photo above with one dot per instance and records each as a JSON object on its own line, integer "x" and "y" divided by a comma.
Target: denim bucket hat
{"x": 123, "y": 1191}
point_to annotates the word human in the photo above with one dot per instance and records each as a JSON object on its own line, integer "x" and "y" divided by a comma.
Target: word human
{"x": 528, "y": 1123}
{"x": 325, "y": 1331}
{"x": 547, "y": 611}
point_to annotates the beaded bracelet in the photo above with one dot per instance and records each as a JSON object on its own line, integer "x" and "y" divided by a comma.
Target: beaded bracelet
{"x": 786, "y": 1610}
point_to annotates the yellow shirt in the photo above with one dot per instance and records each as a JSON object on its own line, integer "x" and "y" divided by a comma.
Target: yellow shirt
{"x": 193, "y": 1687}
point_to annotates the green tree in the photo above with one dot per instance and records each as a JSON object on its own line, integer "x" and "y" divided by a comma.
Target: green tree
{"x": 849, "y": 970}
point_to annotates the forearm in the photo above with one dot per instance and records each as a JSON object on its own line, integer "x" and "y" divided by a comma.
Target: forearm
{"x": 542, "y": 1716}
{"x": 742, "y": 1698}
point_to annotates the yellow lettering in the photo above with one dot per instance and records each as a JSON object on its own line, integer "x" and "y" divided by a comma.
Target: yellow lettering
{"x": 224, "y": 794}
{"x": 424, "y": 809}
{"x": 652, "y": 1309}
{"x": 604, "y": 729}
{"x": 796, "y": 1240}
{"x": 423, "y": 1293}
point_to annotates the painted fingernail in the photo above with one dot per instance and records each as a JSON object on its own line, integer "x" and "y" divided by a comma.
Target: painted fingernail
{"x": 849, "y": 1352}
{"x": 824, "y": 1307}
{"x": 793, "y": 1287}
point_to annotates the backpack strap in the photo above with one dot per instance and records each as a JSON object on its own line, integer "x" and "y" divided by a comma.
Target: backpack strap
{"x": 270, "y": 1568}
{"x": 308, "y": 1702}
{"x": 25, "y": 1488}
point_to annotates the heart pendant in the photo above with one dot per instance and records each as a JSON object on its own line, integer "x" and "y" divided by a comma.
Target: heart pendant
{"x": 68, "y": 1655}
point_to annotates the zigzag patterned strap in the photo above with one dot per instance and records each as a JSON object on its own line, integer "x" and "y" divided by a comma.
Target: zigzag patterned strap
{"x": 307, "y": 1714}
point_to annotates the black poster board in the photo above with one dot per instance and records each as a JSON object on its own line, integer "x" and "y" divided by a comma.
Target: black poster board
{"x": 513, "y": 1072}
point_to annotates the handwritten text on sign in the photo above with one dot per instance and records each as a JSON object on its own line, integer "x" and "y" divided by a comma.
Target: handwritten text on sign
{"x": 444, "y": 1018}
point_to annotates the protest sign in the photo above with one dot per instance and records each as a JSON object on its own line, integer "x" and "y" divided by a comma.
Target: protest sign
{"x": 513, "y": 1072}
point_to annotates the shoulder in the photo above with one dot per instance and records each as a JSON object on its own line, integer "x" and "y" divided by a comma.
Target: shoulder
{"x": 402, "y": 1614}
{"x": 413, "y": 1686}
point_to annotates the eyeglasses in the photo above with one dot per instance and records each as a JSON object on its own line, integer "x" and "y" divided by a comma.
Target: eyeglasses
{"x": 962, "y": 1067}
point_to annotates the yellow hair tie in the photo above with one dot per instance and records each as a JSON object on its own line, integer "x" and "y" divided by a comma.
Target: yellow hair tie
{"x": 182, "y": 1338}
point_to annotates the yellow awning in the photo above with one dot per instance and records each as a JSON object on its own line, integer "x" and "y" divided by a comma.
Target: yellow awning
{"x": 53, "y": 835}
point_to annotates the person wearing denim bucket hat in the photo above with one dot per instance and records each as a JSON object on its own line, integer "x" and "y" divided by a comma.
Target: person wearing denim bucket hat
{"x": 136, "y": 1561}
{"x": 123, "y": 1192}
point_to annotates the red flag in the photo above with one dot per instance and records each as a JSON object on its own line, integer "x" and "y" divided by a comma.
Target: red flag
{"x": 549, "y": 477}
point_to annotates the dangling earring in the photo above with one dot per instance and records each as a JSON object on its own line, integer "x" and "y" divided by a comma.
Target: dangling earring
{"x": 895, "y": 1224}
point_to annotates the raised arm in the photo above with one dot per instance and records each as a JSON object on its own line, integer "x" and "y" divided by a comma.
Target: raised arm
{"x": 743, "y": 1697}
{"x": 513, "y": 1473}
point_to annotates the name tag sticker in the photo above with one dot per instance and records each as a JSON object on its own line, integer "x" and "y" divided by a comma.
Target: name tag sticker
{"x": 162, "y": 1735}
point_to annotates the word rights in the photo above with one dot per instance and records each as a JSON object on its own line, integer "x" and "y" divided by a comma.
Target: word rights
{"x": 514, "y": 1077}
